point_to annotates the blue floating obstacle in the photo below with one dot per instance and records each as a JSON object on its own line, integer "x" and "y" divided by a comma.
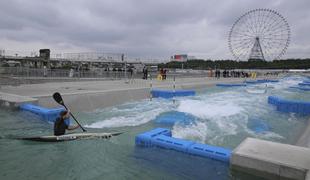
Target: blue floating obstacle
{"x": 306, "y": 81}
{"x": 283, "y": 105}
{"x": 304, "y": 84}
{"x": 144, "y": 139}
{"x": 208, "y": 151}
{"x": 273, "y": 100}
{"x": 46, "y": 114}
{"x": 172, "y": 117}
{"x": 303, "y": 88}
{"x": 251, "y": 82}
{"x": 273, "y": 81}
{"x": 168, "y": 142}
{"x": 260, "y": 81}
{"x": 161, "y": 137}
{"x": 170, "y": 93}
{"x": 230, "y": 85}
{"x": 258, "y": 125}
{"x": 267, "y": 80}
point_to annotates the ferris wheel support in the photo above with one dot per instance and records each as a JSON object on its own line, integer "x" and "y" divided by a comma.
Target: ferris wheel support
{"x": 256, "y": 52}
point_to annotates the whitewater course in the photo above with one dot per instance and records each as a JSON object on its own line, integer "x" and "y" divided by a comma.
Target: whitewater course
{"x": 190, "y": 128}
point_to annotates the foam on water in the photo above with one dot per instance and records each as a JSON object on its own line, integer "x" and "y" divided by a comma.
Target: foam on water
{"x": 287, "y": 82}
{"x": 266, "y": 135}
{"x": 196, "y": 131}
{"x": 204, "y": 109}
{"x": 129, "y": 114}
{"x": 225, "y": 114}
{"x": 221, "y": 115}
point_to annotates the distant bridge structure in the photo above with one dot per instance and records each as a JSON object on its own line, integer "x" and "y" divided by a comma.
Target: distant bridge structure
{"x": 91, "y": 58}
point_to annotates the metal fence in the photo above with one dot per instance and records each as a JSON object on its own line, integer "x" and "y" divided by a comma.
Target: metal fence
{"x": 93, "y": 73}
{"x": 102, "y": 73}
{"x": 59, "y": 73}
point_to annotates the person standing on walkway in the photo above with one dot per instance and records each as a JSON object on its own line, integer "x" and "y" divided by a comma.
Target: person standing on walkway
{"x": 143, "y": 71}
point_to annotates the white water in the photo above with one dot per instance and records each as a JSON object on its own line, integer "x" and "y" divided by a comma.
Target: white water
{"x": 222, "y": 116}
{"x": 130, "y": 114}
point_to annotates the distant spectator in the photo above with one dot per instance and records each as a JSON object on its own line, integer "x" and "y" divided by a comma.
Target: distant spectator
{"x": 164, "y": 74}
{"x": 44, "y": 71}
{"x": 71, "y": 73}
{"x": 145, "y": 72}
{"x": 130, "y": 71}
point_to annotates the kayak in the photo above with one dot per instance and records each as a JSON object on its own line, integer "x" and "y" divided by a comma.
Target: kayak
{"x": 70, "y": 137}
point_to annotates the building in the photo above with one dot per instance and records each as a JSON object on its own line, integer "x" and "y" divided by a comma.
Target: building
{"x": 179, "y": 57}
{"x": 182, "y": 57}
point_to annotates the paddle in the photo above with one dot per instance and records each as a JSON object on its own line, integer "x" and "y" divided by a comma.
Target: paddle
{"x": 57, "y": 97}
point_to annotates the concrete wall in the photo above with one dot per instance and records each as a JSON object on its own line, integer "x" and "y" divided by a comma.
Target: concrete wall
{"x": 271, "y": 160}
{"x": 92, "y": 101}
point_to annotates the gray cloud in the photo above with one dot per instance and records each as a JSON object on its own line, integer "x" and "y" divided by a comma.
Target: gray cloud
{"x": 141, "y": 28}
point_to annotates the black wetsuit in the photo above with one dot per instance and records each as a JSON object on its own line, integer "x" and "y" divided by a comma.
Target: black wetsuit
{"x": 60, "y": 127}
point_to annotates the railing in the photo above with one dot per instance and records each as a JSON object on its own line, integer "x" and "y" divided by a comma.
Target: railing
{"x": 94, "y": 73}
{"x": 102, "y": 73}
{"x": 60, "y": 73}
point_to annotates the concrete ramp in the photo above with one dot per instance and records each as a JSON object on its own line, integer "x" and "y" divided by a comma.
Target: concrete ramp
{"x": 271, "y": 160}
{"x": 13, "y": 101}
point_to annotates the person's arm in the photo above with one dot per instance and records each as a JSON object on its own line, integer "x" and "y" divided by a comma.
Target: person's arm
{"x": 73, "y": 127}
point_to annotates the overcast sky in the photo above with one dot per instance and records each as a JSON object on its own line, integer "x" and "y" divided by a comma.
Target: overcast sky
{"x": 140, "y": 28}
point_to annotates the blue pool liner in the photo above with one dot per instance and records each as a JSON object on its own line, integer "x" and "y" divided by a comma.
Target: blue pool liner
{"x": 172, "y": 117}
{"x": 161, "y": 137}
{"x": 156, "y": 93}
{"x": 230, "y": 85}
{"x": 294, "y": 106}
{"x": 46, "y": 114}
{"x": 258, "y": 125}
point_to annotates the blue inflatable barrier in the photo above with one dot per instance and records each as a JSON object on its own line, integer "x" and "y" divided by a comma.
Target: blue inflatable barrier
{"x": 304, "y": 84}
{"x": 170, "y": 93}
{"x": 303, "y": 88}
{"x": 208, "y": 151}
{"x": 267, "y": 80}
{"x": 230, "y": 85}
{"x": 259, "y": 81}
{"x": 251, "y": 82}
{"x": 168, "y": 142}
{"x": 283, "y": 105}
{"x": 273, "y": 81}
{"x": 273, "y": 100}
{"x": 144, "y": 139}
{"x": 172, "y": 117}
{"x": 161, "y": 137}
{"x": 46, "y": 114}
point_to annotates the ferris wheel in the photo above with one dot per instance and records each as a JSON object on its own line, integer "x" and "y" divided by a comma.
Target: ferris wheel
{"x": 260, "y": 34}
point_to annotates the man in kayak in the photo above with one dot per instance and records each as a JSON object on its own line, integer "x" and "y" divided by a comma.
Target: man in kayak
{"x": 60, "y": 125}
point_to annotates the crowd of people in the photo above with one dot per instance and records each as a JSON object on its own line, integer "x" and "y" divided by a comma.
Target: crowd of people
{"x": 232, "y": 73}
{"x": 162, "y": 73}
